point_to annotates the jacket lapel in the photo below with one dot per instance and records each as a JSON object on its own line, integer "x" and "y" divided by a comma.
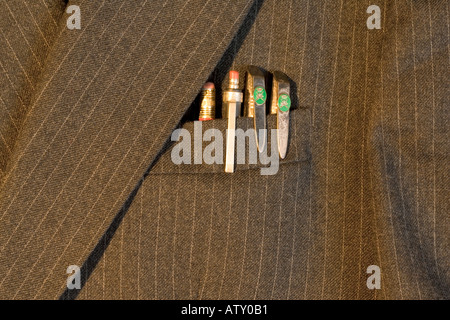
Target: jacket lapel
{"x": 109, "y": 96}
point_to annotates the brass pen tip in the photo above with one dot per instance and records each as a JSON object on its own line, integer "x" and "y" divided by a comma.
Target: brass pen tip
{"x": 208, "y": 102}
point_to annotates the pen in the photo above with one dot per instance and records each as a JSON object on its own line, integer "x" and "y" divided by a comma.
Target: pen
{"x": 281, "y": 103}
{"x": 208, "y": 102}
{"x": 255, "y": 104}
{"x": 232, "y": 99}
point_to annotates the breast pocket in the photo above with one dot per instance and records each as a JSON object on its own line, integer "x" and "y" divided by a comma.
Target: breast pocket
{"x": 230, "y": 235}
{"x": 199, "y": 147}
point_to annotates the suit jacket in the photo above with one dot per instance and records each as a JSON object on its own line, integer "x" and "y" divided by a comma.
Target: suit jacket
{"x": 87, "y": 179}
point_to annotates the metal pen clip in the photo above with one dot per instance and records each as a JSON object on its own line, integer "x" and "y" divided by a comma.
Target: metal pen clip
{"x": 255, "y": 104}
{"x": 232, "y": 100}
{"x": 281, "y": 103}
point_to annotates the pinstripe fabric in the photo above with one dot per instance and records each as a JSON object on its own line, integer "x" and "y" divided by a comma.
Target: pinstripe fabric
{"x": 80, "y": 110}
{"x": 364, "y": 183}
{"x": 27, "y": 29}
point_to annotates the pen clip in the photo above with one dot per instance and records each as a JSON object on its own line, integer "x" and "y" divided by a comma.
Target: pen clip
{"x": 255, "y": 104}
{"x": 281, "y": 103}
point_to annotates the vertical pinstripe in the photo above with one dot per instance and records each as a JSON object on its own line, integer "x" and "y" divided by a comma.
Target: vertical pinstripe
{"x": 345, "y": 152}
{"x": 433, "y": 139}
{"x": 227, "y": 242}
{"x": 385, "y": 164}
{"x": 328, "y": 149}
{"x": 298, "y": 169}
{"x": 399, "y": 131}
{"x": 262, "y": 240}
{"x": 209, "y": 241}
{"x": 245, "y": 238}
{"x": 191, "y": 248}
